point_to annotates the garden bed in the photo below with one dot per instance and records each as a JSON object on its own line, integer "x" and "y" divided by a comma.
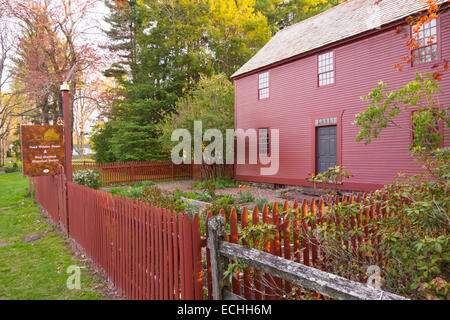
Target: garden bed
{"x": 201, "y": 196}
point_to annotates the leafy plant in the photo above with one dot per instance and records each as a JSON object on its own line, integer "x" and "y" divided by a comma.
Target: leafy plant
{"x": 219, "y": 183}
{"x": 246, "y": 197}
{"x": 209, "y": 187}
{"x": 87, "y": 177}
{"x": 260, "y": 204}
{"x": 206, "y": 197}
{"x": 190, "y": 195}
{"x": 216, "y": 206}
{"x": 224, "y": 182}
{"x": 131, "y": 192}
{"x": 226, "y": 200}
{"x": 162, "y": 199}
{"x": 191, "y": 209}
{"x": 334, "y": 175}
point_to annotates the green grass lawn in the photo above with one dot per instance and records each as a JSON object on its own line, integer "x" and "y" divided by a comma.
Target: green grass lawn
{"x": 35, "y": 270}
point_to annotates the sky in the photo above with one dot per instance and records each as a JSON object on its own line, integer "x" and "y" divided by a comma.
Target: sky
{"x": 93, "y": 25}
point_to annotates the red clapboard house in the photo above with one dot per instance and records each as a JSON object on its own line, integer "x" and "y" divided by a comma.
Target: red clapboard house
{"x": 307, "y": 82}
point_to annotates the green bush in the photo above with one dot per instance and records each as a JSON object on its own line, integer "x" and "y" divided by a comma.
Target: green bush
{"x": 161, "y": 199}
{"x": 206, "y": 197}
{"x": 413, "y": 237}
{"x": 130, "y": 192}
{"x": 260, "y": 204}
{"x": 226, "y": 200}
{"x": 216, "y": 206}
{"x": 88, "y": 177}
{"x": 143, "y": 183}
{"x": 10, "y": 169}
{"x": 210, "y": 188}
{"x": 226, "y": 182}
{"x": 246, "y": 197}
{"x": 219, "y": 183}
{"x": 191, "y": 209}
{"x": 190, "y": 195}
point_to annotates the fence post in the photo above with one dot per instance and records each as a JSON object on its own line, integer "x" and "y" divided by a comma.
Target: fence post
{"x": 173, "y": 174}
{"x": 216, "y": 232}
{"x": 65, "y": 195}
{"x": 132, "y": 172}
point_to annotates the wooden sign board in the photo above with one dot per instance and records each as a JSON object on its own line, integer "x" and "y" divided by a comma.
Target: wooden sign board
{"x": 42, "y": 149}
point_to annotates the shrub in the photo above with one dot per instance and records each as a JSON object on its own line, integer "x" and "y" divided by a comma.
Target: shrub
{"x": 413, "y": 237}
{"x": 238, "y": 212}
{"x": 219, "y": 183}
{"x": 191, "y": 209}
{"x": 162, "y": 199}
{"x": 190, "y": 195}
{"x": 206, "y": 197}
{"x": 246, "y": 197}
{"x": 88, "y": 178}
{"x": 130, "y": 192}
{"x": 210, "y": 188}
{"x": 143, "y": 183}
{"x": 226, "y": 200}
{"x": 10, "y": 169}
{"x": 226, "y": 182}
{"x": 260, "y": 204}
{"x": 216, "y": 206}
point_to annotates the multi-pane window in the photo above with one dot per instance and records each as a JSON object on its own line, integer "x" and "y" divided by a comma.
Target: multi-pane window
{"x": 263, "y": 141}
{"x": 427, "y": 46}
{"x": 326, "y": 69}
{"x": 263, "y": 85}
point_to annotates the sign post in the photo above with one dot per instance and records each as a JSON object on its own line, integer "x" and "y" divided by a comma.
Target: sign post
{"x": 67, "y": 131}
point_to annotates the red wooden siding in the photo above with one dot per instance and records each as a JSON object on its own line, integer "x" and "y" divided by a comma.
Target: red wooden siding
{"x": 296, "y": 101}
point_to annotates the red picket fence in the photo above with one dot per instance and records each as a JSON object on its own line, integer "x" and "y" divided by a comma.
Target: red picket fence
{"x": 50, "y": 193}
{"x": 296, "y": 239}
{"x": 153, "y": 253}
{"x": 158, "y": 171}
{"x": 130, "y": 172}
{"x": 147, "y": 252}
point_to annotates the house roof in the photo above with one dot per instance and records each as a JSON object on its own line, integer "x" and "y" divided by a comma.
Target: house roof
{"x": 336, "y": 24}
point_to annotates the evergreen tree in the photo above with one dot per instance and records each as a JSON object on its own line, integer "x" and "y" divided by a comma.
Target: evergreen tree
{"x": 165, "y": 46}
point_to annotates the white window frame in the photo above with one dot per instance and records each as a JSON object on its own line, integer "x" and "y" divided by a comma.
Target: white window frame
{"x": 263, "y": 141}
{"x": 426, "y": 52}
{"x": 325, "y": 67}
{"x": 263, "y": 85}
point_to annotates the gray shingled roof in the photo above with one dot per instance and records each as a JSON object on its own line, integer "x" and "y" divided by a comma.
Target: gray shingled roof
{"x": 338, "y": 23}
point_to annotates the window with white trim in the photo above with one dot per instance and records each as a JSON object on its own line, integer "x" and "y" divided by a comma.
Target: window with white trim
{"x": 326, "y": 68}
{"x": 263, "y": 141}
{"x": 426, "y": 39}
{"x": 263, "y": 85}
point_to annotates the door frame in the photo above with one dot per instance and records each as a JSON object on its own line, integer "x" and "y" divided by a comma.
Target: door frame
{"x": 320, "y": 116}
